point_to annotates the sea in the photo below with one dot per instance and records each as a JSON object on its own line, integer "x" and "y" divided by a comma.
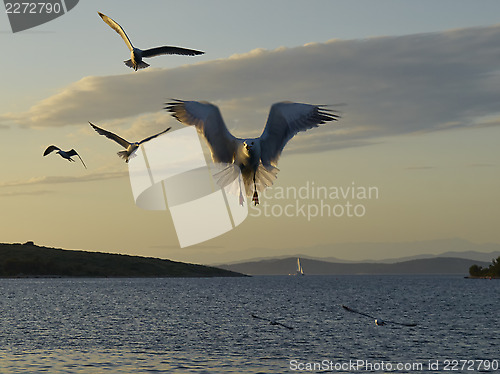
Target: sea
{"x": 207, "y": 325}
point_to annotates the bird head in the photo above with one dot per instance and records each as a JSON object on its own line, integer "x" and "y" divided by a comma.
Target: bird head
{"x": 249, "y": 144}
{"x": 252, "y": 145}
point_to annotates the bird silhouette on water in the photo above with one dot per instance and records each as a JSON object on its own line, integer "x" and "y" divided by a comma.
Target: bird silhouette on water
{"x": 378, "y": 321}
{"x": 272, "y": 322}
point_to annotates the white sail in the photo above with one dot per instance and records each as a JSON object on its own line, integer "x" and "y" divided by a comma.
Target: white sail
{"x": 300, "y": 270}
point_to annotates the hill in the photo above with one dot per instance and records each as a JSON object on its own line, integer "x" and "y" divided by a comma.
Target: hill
{"x": 439, "y": 265}
{"x": 29, "y": 259}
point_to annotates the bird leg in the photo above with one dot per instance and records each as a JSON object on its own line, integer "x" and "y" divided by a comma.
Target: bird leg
{"x": 255, "y": 197}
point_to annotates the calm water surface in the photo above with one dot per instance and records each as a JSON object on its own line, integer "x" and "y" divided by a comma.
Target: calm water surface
{"x": 205, "y": 325}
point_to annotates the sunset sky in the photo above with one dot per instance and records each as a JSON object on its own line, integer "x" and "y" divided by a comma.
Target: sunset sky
{"x": 417, "y": 85}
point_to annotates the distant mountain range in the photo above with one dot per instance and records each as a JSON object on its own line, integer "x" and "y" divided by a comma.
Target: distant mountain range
{"x": 284, "y": 266}
{"x": 356, "y": 252}
{"x": 468, "y": 255}
{"x": 30, "y": 260}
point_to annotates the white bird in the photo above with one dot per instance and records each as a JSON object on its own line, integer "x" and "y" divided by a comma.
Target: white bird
{"x": 137, "y": 54}
{"x": 256, "y": 158}
{"x": 64, "y": 154}
{"x": 130, "y": 147}
{"x": 378, "y": 322}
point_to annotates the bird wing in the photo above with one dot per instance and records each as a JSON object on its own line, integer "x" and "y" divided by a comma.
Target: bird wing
{"x": 168, "y": 50}
{"x": 401, "y": 324}
{"x": 285, "y": 120}
{"x": 115, "y": 26}
{"x": 386, "y": 321}
{"x": 280, "y": 324}
{"x": 208, "y": 121}
{"x": 51, "y": 148}
{"x": 74, "y": 153}
{"x": 153, "y": 136}
{"x": 355, "y": 311}
{"x": 111, "y": 136}
{"x": 272, "y": 322}
{"x": 262, "y": 318}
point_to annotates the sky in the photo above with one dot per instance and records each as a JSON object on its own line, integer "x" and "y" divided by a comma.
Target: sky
{"x": 416, "y": 84}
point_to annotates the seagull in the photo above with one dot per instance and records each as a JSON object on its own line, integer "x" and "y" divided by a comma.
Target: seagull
{"x": 272, "y": 322}
{"x": 378, "y": 322}
{"x": 137, "y": 54}
{"x": 256, "y": 158}
{"x": 64, "y": 154}
{"x": 130, "y": 147}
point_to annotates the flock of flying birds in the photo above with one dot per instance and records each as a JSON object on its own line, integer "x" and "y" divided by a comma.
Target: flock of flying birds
{"x": 135, "y": 62}
{"x": 378, "y": 321}
{"x": 255, "y": 158}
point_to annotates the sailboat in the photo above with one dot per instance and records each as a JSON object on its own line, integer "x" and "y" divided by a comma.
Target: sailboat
{"x": 300, "y": 270}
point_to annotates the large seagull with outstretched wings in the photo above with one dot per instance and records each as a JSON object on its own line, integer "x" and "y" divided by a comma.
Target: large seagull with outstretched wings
{"x": 256, "y": 158}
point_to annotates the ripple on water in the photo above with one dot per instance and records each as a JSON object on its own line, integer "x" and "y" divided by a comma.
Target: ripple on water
{"x": 205, "y": 325}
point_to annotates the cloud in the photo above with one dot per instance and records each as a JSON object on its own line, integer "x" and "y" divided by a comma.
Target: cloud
{"x": 480, "y": 165}
{"x": 51, "y": 180}
{"x": 420, "y": 167}
{"x": 25, "y": 193}
{"x": 391, "y": 85}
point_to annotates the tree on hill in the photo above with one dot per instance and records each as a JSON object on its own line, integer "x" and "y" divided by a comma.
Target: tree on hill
{"x": 491, "y": 271}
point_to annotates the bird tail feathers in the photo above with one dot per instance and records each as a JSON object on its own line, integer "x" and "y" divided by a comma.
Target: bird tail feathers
{"x": 124, "y": 155}
{"x": 227, "y": 175}
{"x": 140, "y": 65}
{"x": 264, "y": 177}
{"x": 230, "y": 179}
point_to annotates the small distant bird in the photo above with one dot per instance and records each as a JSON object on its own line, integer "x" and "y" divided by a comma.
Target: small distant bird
{"x": 130, "y": 147}
{"x": 137, "y": 54}
{"x": 272, "y": 322}
{"x": 256, "y": 158}
{"x": 64, "y": 154}
{"x": 378, "y": 322}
